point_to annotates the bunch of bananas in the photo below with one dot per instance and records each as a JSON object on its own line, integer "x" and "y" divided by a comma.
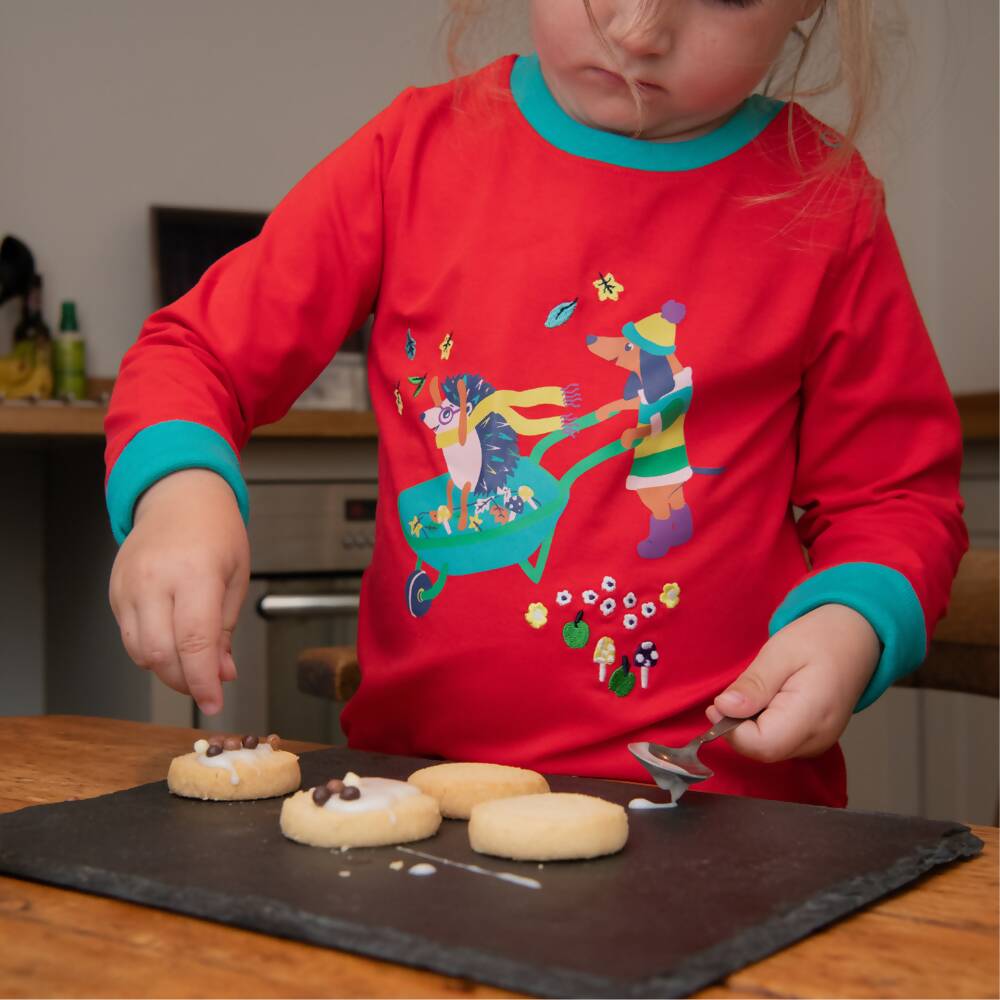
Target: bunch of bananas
{"x": 27, "y": 371}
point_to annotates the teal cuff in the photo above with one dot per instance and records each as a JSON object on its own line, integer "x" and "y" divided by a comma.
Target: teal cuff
{"x": 159, "y": 450}
{"x": 885, "y": 597}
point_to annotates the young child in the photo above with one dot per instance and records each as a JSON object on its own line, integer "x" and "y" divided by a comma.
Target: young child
{"x": 627, "y": 314}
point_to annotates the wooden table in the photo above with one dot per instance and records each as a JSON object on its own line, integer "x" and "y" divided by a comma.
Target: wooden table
{"x": 938, "y": 939}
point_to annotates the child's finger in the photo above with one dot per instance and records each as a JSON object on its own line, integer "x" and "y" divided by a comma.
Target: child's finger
{"x": 777, "y": 734}
{"x": 198, "y": 637}
{"x": 759, "y": 683}
{"x": 128, "y": 625}
{"x": 235, "y": 592}
{"x": 156, "y": 645}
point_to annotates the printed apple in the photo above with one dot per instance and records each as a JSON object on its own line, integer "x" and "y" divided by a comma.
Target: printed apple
{"x": 576, "y": 633}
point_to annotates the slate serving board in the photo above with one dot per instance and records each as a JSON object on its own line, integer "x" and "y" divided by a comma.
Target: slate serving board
{"x": 699, "y": 891}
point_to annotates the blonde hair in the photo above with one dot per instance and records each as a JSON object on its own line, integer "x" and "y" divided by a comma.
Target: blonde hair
{"x": 854, "y": 68}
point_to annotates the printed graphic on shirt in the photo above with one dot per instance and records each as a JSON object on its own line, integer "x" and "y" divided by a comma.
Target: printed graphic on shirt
{"x": 495, "y": 506}
{"x": 660, "y": 389}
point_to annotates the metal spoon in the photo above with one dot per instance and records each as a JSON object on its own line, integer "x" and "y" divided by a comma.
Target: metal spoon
{"x": 675, "y": 769}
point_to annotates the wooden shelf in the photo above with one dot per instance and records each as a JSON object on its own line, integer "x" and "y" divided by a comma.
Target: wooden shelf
{"x": 978, "y": 412}
{"x": 45, "y": 420}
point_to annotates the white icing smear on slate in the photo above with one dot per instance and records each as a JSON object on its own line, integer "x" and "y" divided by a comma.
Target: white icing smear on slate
{"x": 649, "y": 804}
{"x": 227, "y": 757}
{"x": 527, "y": 883}
{"x": 422, "y": 869}
{"x": 376, "y": 793}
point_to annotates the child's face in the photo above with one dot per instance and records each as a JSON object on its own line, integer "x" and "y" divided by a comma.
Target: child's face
{"x": 695, "y": 60}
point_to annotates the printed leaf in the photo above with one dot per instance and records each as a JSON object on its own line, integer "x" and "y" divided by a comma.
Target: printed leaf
{"x": 418, "y": 382}
{"x": 445, "y": 346}
{"x": 561, "y": 313}
{"x": 411, "y": 345}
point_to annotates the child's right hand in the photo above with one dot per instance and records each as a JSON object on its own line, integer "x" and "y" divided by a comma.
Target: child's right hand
{"x": 179, "y": 580}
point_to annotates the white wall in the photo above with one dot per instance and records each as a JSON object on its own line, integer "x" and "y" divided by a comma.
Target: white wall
{"x": 107, "y": 106}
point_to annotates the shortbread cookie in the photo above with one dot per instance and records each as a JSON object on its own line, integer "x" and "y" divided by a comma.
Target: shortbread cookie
{"x": 554, "y": 827}
{"x": 459, "y": 787}
{"x": 235, "y": 767}
{"x": 359, "y": 812}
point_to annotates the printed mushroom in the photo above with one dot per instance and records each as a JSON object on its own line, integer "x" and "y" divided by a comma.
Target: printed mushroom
{"x": 443, "y": 516}
{"x": 526, "y": 493}
{"x": 516, "y": 506}
{"x": 604, "y": 656}
{"x": 645, "y": 659}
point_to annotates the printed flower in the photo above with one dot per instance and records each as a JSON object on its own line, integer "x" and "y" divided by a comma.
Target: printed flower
{"x": 537, "y": 614}
{"x": 608, "y": 605}
{"x": 670, "y": 595}
{"x": 629, "y": 600}
{"x": 608, "y": 584}
{"x": 608, "y": 289}
{"x": 589, "y": 596}
{"x": 648, "y": 609}
{"x": 415, "y": 526}
{"x": 563, "y": 598}
{"x": 475, "y": 522}
{"x": 630, "y": 621}
{"x": 446, "y": 345}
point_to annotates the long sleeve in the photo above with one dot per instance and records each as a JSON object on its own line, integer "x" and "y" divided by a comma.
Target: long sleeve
{"x": 263, "y": 322}
{"x": 879, "y": 458}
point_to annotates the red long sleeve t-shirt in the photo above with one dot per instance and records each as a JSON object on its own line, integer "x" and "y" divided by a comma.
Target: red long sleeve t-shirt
{"x": 604, "y": 372}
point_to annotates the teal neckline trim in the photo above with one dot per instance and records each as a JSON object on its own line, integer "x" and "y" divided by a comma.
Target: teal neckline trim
{"x": 543, "y": 113}
{"x": 885, "y": 597}
{"x": 160, "y": 449}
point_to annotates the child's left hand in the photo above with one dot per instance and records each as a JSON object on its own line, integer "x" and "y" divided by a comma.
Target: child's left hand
{"x": 808, "y": 676}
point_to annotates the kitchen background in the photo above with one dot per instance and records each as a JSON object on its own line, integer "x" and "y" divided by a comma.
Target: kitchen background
{"x": 111, "y": 107}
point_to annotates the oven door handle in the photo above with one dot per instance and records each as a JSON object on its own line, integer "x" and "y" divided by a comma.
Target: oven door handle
{"x": 312, "y": 605}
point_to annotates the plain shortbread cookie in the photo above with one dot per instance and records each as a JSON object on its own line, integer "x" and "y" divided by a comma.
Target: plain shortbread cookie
{"x": 459, "y": 787}
{"x": 559, "y": 826}
{"x": 260, "y": 774}
{"x": 352, "y": 824}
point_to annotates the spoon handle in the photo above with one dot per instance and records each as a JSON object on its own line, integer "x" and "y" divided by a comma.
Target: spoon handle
{"x": 726, "y": 724}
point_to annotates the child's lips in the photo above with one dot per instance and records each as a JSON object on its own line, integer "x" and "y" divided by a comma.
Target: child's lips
{"x": 618, "y": 80}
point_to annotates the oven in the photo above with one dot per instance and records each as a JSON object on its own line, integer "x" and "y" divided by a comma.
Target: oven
{"x": 310, "y": 542}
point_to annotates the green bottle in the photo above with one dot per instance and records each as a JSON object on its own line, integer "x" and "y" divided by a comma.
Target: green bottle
{"x": 69, "y": 357}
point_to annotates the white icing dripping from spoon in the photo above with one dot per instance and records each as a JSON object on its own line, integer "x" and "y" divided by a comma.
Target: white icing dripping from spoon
{"x": 649, "y": 804}
{"x": 527, "y": 883}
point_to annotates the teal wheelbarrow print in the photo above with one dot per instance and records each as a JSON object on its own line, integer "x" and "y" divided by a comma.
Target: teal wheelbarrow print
{"x": 511, "y": 527}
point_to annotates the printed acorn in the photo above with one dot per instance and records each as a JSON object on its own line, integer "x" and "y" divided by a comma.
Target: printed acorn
{"x": 577, "y": 632}
{"x": 622, "y": 680}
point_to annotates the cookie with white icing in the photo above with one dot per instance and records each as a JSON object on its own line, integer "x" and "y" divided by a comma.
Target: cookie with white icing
{"x": 359, "y": 812}
{"x": 557, "y": 827}
{"x": 235, "y": 768}
{"x": 459, "y": 787}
